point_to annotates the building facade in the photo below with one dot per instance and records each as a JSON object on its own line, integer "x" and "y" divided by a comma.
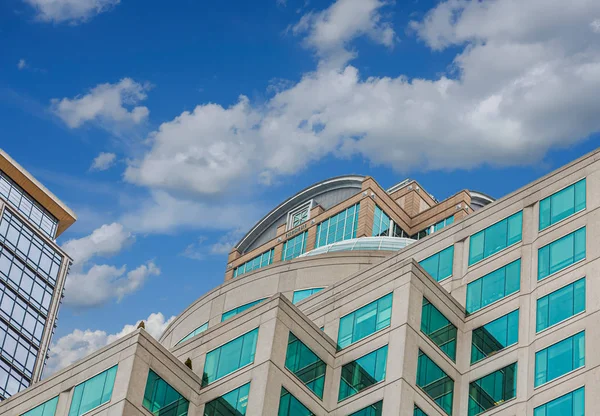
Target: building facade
{"x": 33, "y": 270}
{"x": 491, "y": 314}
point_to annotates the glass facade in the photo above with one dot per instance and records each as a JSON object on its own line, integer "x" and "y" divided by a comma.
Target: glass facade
{"x": 303, "y": 294}
{"x": 233, "y": 403}
{"x": 560, "y": 358}
{"x": 571, "y": 404}
{"x": 439, "y": 329}
{"x": 443, "y": 223}
{"x": 195, "y": 332}
{"x": 93, "y": 392}
{"x": 560, "y": 305}
{"x": 45, "y": 409}
{"x": 363, "y": 372}
{"x": 233, "y": 312}
{"x": 439, "y": 266}
{"x": 493, "y": 389}
{"x": 495, "y": 336}
{"x": 163, "y": 400}
{"x": 562, "y": 204}
{"x": 365, "y": 321}
{"x": 340, "y": 227}
{"x": 494, "y": 286}
{"x": 435, "y": 382}
{"x": 230, "y": 357}
{"x": 256, "y": 263}
{"x": 561, "y": 253}
{"x": 419, "y": 412}
{"x": 305, "y": 365}
{"x": 26, "y": 205}
{"x": 290, "y": 406}
{"x": 381, "y": 223}
{"x": 495, "y": 238}
{"x": 373, "y": 410}
{"x": 293, "y": 247}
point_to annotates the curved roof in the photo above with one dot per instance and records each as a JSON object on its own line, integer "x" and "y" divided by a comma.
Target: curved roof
{"x": 363, "y": 244}
{"x": 339, "y": 182}
{"x": 479, "y": 199}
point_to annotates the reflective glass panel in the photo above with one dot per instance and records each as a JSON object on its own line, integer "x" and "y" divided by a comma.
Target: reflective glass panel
{"x": 495, "y": 336}
{"x": 560, "y": 305}
{"x": 195, "y": 332}
{"x": 45, "y": 409}
{"x": 293, "y": 247}
{"x": 439, "y": 266}
{"x": 340, "y": 227}
{"x": 231, "y": 313}
{"x": 373, "y": 410}
{"x": 435, "y": 382}
{"x": 362, "y": 373}
{"x": 290, "y": 406}
{"x": 257, "y": 262}
{"x": 493, "y": 389}
{"x": 230, "y": 357}
{"x": 93, "y": 392}
{"x": 303, "y": 294}
{"x": 365, "y": 321}
{"x": 305, "y": 365}
{"x": 562, "y": 204}
{"x": 494, "y": 286}
{"x": 571, "y": 404}
{"x": 560, "y": 358}
{"x": 163, "y": 400}
{"x": 439, "y": 329}
{"x": 495, "y": 238}
{"x": 233, "y": 403}
{"x": 561, "y": 253}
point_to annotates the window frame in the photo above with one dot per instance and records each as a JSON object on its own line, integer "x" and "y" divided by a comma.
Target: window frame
{"x": 542, "y": 230}
{"x": 360, "y": 307}
{"x": 500, "y": 350}
{"x": 308, "y": 288}
{"x": 584, "y": 278}
{"x": 72, "y": 391}
{"x": 469, "y": 264}
{"x": 554, "y": 241}
{"x": 570, "y": 337}
{"x": 497, "y": 300}
{"x": 437, "y": 254}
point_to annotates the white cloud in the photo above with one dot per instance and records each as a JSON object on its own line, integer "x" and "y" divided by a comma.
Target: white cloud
{"x": 72, "y": 11}
{"x": 103, "y": 161}
{"x": 114, "y": 106}
{"x": 107, "y": 240}
{"x": 523, "y": 82}
{"x": 79, "y": 344}
{"x": 22, "y": 64}
{"x": 595, "y": 25}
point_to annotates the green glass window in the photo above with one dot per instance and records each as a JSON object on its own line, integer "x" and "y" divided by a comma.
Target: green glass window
{"x": 365, "y": 321}
{"x": 493, "y": 389}
{"x": 45, "y": 409}
{"x": 340, "y": 227}
{"x": 419, "y": 412}
{"x": 373, "y": 410}
{"x": 435, "y": 382}
{"x": 256, "y": 263}
{"x": 233, "y": 403}
{"x": 571, "y": 404}
{"x": 562, "y": 204}
{"x": 233, "y": 312}
{"x": 163, "y": 400}
{"x": 230, "y": 357}
{"x": 560, "y": 305}
{"x": 93, "y": 392}
{"x": 494, "y": 286}
{"x": 290, "y": 406}
{"x": 362, "y": 373}
{"x": 560, "y": 358}
{"x": 495, "y": 336}
{"x": 561, "y": 253}
{"x": 305, "y": 365}
{"x": 195, "y": 332}
{"x": 495, "y": 238}
{"x": 439, "y": 266}
{"x": 439, "y": 225}
{"x": 303, "y": 294}
{"x": 439, "y": 329}
{"x": 381, "y": 223}
{"x": 293, "y": 247}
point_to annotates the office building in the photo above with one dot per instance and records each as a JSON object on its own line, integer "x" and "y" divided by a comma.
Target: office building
{"x": 490, "y": 313}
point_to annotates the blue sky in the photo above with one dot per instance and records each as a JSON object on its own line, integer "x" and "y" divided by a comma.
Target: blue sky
{"x": 170, "y": 127}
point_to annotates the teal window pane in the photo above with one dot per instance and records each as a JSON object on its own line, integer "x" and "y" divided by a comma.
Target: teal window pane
{"x": 495, "y": 238}
{"x": 381, "y": 223}
{"x": 561, "y": 253}
{"x": 163, "y": 400}
{"x": 195, "y": 332}
{"x": 373, "y": 410}
{"x": 365, "y": 321}
{"x": 419, "y": 412}
{"x": 560, "y": 358}
{"x": 363, "y": 372}
{"x": 493, "y": 390}
{"x": 439, "y": 266}
{"x": 230, "y": 357}
{"x": 494, "y": 286}
{"x": 93, "y": 392}
{"x": 571, "y": 404}
{"x": 45, "y": 409}
{"x": 435, "y": 382}
{"x": 263, "y": 260}
{"x": 560, "y": 305}
{"x": 303, "y": 294}
{"x": 231, "y": 313}
{"x": 290, "y": 406}
{"x": 562, "y": 204}
{"x": 233, "y": 403}
{"x": 293, "y": 247}
{"x": 439, "y": 329}
{"x": 341, "y": 226}
{"x": 305, "y": 365}
{"x": 493, "y": 337}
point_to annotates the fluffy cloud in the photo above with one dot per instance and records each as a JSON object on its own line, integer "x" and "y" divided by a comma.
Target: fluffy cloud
{"x": 78, "y": 344}
{"x": 521, "y": 83}
{"x": 72, "y": 11}
{"x": 114, "y": 106}
{"x": 22, "y": 64}
{"x": 103, "y": 161}
{"x": 107, "y": 240}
